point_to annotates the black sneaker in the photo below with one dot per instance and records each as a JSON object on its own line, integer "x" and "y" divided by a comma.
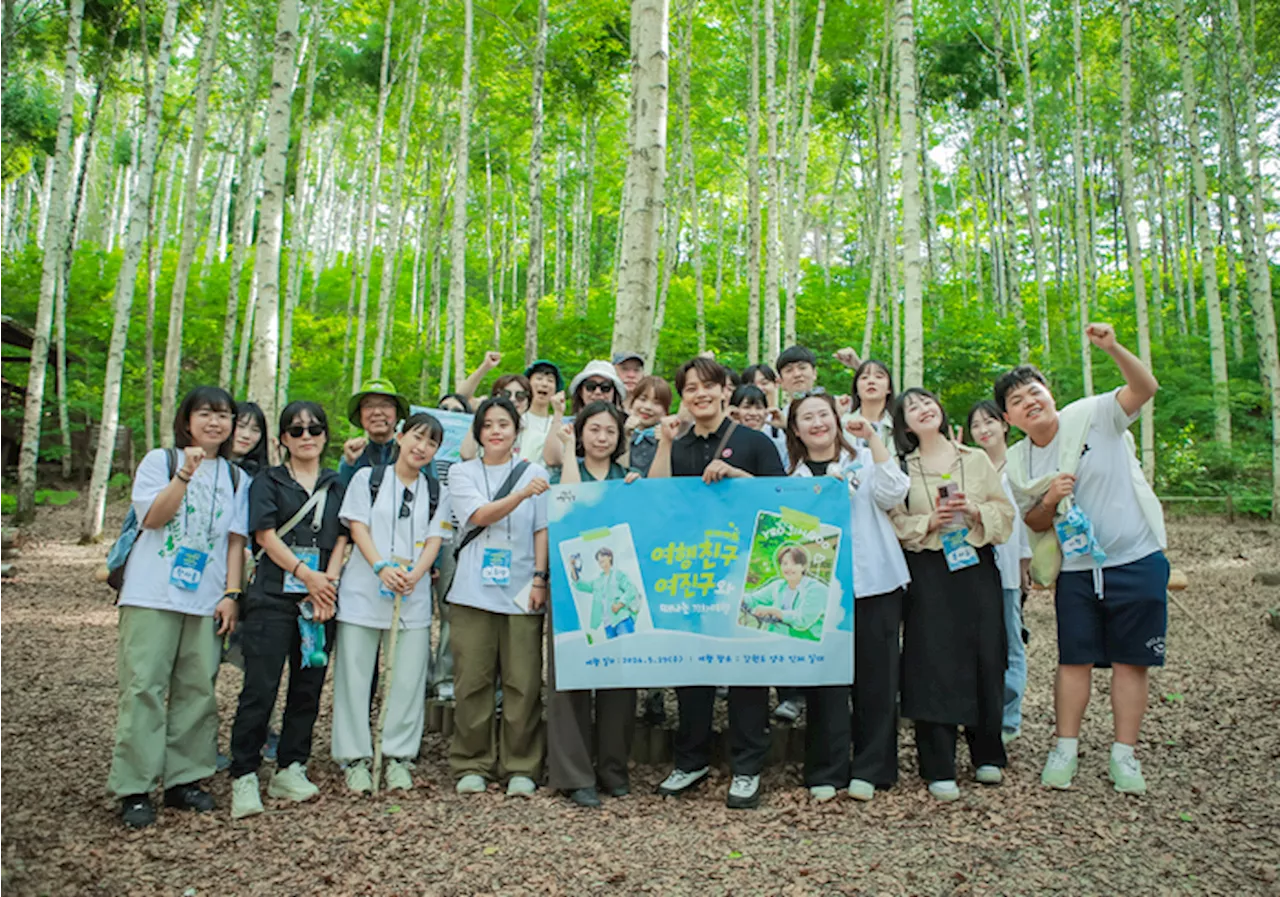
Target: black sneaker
{"x": 620, "y": 791}
{"x": 584, "y": 797}
{"x": 137, "y": 811}
{"x": 188, "y": 797}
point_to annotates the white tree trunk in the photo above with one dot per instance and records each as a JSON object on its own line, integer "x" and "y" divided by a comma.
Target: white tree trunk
{"x": 753, "y": 192}
{"x": 1128, "y": 191}
{"x": 51, "y": 269}
{"x": 126, "y": 279}
{"x": 1032, "y": 190}
{"x": 913, "y": 320}
{"x": 1248, "y": 63}
{"x": 798, "y": 190}
{"x": 264, "y": 363}
{"x": 187, "y": 248}
{"x": 1082, "y": 230}
{"x": 689, "y": 173}
{"x": 246, "y": 197}
{"x": 458, "y": 232}
{"x": 533, "y": 276}
{"x": 772, "y": 186}
{"x": 644, "y": 188}
{"x": 1208, "y": 253}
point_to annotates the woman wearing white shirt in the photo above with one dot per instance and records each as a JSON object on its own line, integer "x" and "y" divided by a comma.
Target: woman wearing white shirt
{"x": 876, "y": 484}
{"x": 181, "y": 582}
{"x": 394, "y": 556}
{"x": 497, "y": 597}
{"x": 872, "y": 399}
{"x": 987, "y": 427}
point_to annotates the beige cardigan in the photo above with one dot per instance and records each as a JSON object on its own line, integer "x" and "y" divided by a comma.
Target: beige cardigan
{"x": 977, "y": 478}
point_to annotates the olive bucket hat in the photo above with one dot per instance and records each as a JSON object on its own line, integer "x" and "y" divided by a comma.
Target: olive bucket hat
{"x": 378, "y": 387}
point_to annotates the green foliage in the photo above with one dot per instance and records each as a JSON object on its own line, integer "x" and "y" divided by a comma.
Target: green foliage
{"x": 9, "y": 503}
{"x": 30, "y": 125}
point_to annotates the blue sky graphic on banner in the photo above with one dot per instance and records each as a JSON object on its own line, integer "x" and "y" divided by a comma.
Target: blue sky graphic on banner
{"x": 675, "y": 582}
{"x": 456, "y": 427}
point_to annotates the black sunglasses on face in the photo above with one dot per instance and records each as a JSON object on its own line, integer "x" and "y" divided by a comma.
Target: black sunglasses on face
{"x": 297, "y": 430}
{"x": 597, "y": 386}
{"x": 405, "y": 510}
{"x": 816, "y": 391}
{"x": 520, "y": 396}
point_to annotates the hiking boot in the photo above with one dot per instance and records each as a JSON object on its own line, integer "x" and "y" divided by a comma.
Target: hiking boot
{"x": 1126, "y": 774}
{"x": 137, "y": 811}
{"x": 245, "y": 798}
{"x": 945, "y": 790}
{"x": 1059, "y": 770}
{"x": 188, "y": 797}
{"x": 744, "y": 793}
{"x": 861, "y": 789}
{"x": 680, "y": 781}
{"x": 521, "y": 786}
{"x": 471, "y": 784}
{"x": 359, "y": 779}
{"x": 292, "y": 783}
{"x": 398, "y": 776}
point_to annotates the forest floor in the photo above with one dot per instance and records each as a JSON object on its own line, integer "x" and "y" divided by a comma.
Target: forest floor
{"x": 1210, "y": 824}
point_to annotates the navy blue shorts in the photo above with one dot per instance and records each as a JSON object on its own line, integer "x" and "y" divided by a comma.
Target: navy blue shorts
{"x": 1127, "y": 625}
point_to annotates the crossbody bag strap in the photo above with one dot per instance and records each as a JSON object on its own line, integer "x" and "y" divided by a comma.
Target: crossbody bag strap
{"x": 317, "y": 501}
{"x": 724, "y": 440}
{"x": 503, "y": 491}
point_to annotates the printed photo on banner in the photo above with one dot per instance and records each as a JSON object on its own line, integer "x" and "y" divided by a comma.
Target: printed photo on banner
{"x": 608, "y": 590}
{"x": 456, "y": 424}
{"x": 789, "y": 575}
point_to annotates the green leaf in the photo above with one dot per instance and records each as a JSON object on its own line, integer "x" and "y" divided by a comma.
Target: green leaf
{"x": 735, "y": 854}
{"x": 1184, "y": 816}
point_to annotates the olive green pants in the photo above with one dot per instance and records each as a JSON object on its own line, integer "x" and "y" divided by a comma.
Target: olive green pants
{"x": 486, "y": 643}
{"x": 167, "y": 717}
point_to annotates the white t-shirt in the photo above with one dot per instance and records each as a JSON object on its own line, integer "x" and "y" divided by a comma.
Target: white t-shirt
{"x": 1104, "y": 487}
{"x": 534, "y": 430}
{"x": 209, "y": 512}
{"x": 473, "y": 484}
{"x": 359, "y": 601}
{"x": 1009, "y": 554}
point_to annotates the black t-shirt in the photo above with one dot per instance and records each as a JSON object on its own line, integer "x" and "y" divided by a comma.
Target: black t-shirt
{"x": 274, "y": 497}
{"x": 746, "y": 449}
{"x": 818, "y": 468}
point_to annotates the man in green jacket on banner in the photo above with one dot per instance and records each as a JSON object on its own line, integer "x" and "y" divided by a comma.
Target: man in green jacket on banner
{"x": 793, "y": 605}
{"x": 615, "y": 601}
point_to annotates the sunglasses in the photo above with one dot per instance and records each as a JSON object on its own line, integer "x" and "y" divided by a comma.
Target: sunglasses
{"x": 297, "y": 430}
{"x": 405, "y": 509}
{"x": 816, "y": 391}
{"x": 597, "y": 386}
{"x": 518, "y": 396}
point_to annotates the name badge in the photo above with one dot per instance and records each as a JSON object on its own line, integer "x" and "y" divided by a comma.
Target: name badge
{"x": 959, "y": 553}
{"x": 399, "y": 563}
{"x": 188, "y": 568}
{"x": 1075, "y": 535}
{"x": 496, "y": 567}
{"x": 310, "y": 558}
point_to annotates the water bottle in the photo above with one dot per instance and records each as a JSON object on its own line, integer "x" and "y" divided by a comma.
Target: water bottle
{"x": 312, "y": 634}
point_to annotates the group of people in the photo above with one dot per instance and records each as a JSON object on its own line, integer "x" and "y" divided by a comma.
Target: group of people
{"x": 350, "y": 564}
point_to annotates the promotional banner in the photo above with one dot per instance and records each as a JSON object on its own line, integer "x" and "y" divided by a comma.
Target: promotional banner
{"x": 675, "y": 582}
{"x": 456, "y": 427}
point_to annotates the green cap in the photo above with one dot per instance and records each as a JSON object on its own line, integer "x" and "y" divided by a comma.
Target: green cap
{"x": 543, "y": 364}
{"x": 378, "y": 387}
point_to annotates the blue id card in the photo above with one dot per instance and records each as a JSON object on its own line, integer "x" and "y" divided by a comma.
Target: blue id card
{"x": 188, "y": 568}
{"x": 959, "y": 553}
{"x": 496, "y": 567}
{"x": 1075, "y": 535}
{"x": 401, "y": 563}
{"x": 310, "y": 558}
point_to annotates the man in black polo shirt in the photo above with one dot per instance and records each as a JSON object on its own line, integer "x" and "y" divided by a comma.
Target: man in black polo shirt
{"x": 714, "y": 449}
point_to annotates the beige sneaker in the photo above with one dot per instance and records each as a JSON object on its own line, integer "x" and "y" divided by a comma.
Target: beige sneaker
{"x": 359, "y": 779}
{"x": 245, "y": 799}
{"x": 397, "y": 776}
{"x": 292, "y": 784}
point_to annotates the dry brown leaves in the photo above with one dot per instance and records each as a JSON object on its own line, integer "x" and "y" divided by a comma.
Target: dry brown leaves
{"x": 1210, "y": 825}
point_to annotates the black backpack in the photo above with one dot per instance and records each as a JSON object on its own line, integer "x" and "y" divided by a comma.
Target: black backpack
{"x": 379, "y": 474}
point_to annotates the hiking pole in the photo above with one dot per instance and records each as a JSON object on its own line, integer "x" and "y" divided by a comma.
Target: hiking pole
{"x": 388, "y": 678}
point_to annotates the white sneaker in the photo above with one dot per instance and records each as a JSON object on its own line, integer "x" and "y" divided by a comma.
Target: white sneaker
{"x": 1126, "y": 775}
{"x": 359, "y": 779}
{"x": 398, "y": 776}
{"x": 444, "y": 691}
{"x": 292, "y": 784}
{"x": 245, "y": 799}
{"x": 680, "y": 781}
{"x": 1059, "y": 770}
{"x": 861, "y": 789}
{"x": 989, "y": 775}
{"x": 521, "y": 786}
{"x": 470, "y": 784}
{"x": 787, "y": 711}
{"x": 744, "y": 793}
{"x": 946, "y": 790}
{"x": 822, "y": 793}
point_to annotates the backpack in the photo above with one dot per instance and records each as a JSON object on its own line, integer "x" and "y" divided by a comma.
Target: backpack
{"x": 379, "y": 474}
{"x": 118, "y": 556}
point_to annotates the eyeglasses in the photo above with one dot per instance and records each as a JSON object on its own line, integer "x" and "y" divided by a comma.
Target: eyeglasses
{"x": 405, "y": 510}
{"x": 597, "y": 386}
{"x": 297, "y": 430}
{"x": 809, "y": 393}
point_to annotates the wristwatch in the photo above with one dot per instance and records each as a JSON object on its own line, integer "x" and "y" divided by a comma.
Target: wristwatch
{"x": 543, "y": 575}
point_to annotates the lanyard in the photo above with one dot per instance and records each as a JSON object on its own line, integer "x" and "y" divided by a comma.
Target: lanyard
{"x": 488, "y": 492}
{"x": 213, "y": 507}
{"x": 924, "y": 476}
{"x": 413, "y": 515}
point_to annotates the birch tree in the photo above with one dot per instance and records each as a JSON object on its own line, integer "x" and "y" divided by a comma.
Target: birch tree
{"x": 1023, "y": 51}
{"x": 1081, "y": 214}
{"x": 265, "y": 355}
{"x": 645, "y": 181}
{"x": 55, "y": 247}
{"x": 458, "y": 233}
{"x": 533, "y": 276}
{"x": 772, "y": 186}
{"x": 126, "y": 279}
{"x": 913, "y": 337}
{"x": 753, "y": 191}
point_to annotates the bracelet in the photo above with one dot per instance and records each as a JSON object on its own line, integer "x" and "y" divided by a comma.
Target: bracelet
{"x": 233, "y": 594}
{"x": 181, "y": 477}
{"x": 294, "y": 572}
{"x": 380, "y": 566}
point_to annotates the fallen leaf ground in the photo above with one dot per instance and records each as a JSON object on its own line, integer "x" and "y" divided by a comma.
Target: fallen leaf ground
{"x": 1210, "y": 825}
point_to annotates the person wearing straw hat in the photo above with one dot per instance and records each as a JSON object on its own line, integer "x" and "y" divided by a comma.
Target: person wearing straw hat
{"x": 375, "y": 409}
